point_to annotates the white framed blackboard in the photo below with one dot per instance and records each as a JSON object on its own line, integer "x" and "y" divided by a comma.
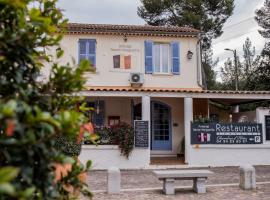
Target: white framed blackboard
{"x": 141, "y": 133}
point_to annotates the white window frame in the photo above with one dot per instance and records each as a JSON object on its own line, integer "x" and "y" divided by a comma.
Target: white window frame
{"x": 161, "y": 58}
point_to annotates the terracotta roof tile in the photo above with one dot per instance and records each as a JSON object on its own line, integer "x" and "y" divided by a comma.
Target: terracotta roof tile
{"x": 181, "y": 90}
{"x": 135, "y": 30}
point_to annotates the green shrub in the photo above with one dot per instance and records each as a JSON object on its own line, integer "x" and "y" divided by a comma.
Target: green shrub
{"x": 123, "y": 136}
{"x": 202, "y": 120}
{"x": 69, "y": 147}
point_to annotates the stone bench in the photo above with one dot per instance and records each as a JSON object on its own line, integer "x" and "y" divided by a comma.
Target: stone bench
{"x": 169, "y": 176}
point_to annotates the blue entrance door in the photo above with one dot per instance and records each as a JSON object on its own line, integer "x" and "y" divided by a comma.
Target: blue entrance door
{"x": 161, "y": 126}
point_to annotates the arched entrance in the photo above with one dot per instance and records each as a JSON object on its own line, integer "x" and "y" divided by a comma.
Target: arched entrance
{"x": 161, "y": 131}
{"x": 161, "y": 126}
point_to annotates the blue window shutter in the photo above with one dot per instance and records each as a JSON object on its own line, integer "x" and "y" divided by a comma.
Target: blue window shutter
{"x": 92, "y": 51}
{"x": 82, "y": 50}
{"x": 148, "y": 47}
{"x": 175, "y": 57}
{"x": 99, "y": 119}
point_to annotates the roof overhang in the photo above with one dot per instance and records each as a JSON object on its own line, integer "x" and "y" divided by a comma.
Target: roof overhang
{"x": 223, "y": 97}
{"x": 131, "y": 30}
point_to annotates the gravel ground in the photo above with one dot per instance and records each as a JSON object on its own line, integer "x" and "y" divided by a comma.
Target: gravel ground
{"x": 97, "y": 180}
{"x": 213, "y": 193}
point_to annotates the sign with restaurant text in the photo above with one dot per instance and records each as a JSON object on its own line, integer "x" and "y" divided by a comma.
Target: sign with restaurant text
{"x": 226, "y": 133}
{"x": 141, "y": 133}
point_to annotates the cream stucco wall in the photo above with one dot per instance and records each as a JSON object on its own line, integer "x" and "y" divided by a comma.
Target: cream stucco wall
{"x": 109, "y": 45}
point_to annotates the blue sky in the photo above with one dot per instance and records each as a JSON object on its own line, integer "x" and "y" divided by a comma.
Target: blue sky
{"x": 238, "y": 27}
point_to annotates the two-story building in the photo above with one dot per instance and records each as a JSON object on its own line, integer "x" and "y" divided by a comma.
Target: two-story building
{"x": 151, "y": 73}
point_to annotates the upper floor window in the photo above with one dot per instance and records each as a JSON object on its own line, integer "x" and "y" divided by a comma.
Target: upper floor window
{"x": 87, "y": 50}
{"x": 162, "y": 57}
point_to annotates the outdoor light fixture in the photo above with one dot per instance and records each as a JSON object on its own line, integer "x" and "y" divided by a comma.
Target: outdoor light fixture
{"x": 189, "y": 55}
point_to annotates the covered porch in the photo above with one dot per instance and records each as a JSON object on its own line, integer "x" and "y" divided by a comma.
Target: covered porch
{"x": 166, "y": 119}
{"x": 170, "y": 114}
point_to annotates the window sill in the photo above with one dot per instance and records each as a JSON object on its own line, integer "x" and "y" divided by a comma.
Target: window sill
{"x": 121, "y": 70}
{"x": 163, "y": 74}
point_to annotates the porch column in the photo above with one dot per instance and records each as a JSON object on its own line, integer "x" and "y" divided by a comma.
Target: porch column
{"x": 146, "y": 115}
{"x": 188, "y": 117}
{"x": 146, "y": 112}
{"x": 146, "y": 108}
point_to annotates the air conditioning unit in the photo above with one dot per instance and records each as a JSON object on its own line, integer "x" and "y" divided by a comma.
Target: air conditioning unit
{"x": 136, "y": 79}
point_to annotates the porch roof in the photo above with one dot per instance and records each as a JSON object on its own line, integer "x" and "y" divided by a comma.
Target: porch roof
{"x": 227, "y": 97}
{"x": 176, "y": 90}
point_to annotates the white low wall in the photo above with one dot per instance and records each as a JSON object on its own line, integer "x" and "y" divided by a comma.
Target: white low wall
{"x": 106, "y": 156}
{"x": 230, "y": 155}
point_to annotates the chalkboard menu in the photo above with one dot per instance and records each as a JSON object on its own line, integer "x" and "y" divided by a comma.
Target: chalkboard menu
{"x": 141, "y": 133}
{"x": 226, "y": 133}
{"x": 267, "y": 127}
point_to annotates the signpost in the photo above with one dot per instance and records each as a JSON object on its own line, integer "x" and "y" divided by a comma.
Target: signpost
{"x": 226, "y": 133}
{"x": 267, "y": 127}
{"x": 141, "y": 132}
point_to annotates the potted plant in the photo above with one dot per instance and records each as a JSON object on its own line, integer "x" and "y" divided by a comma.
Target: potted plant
{"x": 123, "y": 135}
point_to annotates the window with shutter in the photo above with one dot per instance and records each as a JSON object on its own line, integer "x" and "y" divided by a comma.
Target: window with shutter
{"x": 148, "y": 48}
{"x": 87, "y": 50}
{"x": 162, "y": 58}
{"x": 162, "y": 61}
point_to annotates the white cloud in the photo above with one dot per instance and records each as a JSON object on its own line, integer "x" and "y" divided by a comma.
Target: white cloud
{"x": 238, "y": 27}
{"x": 102, "y": 11}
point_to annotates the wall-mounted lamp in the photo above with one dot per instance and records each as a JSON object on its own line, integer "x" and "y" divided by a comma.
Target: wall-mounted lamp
{"x": 189, "y": 55}
{"x": 125, "y": 38}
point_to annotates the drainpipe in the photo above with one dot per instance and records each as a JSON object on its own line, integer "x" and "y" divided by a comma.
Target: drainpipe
{"x": 199, "y": 61}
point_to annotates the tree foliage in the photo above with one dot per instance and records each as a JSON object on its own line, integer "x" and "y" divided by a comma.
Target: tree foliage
{"x": 259, "y": 79}
{"x": 245, "y": 68}
{"x": 249, "y": 57}
{"x": 208, "y": 16}
{"x": 228, "y": 75}
{"x": 260, "y": 76}
{"x": 262, "y": 18}
{"x": 33, "y": 113}
{"x": 208, "y": 65}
